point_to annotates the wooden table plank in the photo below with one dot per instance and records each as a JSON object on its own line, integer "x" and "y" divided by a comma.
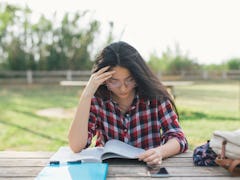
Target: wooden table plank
{"x": 26, "y": 165}
{"x": 19, "y": 172}
{"x": 174, "y": 178}
{"x": 123, "y": 171}
{"x": 24, "y": 154}
{"x": 19, "y": 162}
{"x": 17, "y": 178}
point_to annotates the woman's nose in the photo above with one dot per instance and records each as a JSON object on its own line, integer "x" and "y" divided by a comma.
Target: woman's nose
{"x": 123, "y": 87}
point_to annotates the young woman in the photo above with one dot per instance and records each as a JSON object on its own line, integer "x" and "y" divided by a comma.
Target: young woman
{"x": 124, "y": 100}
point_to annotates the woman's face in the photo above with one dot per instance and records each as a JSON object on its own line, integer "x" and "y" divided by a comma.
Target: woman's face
{"x": 122, "y": 83}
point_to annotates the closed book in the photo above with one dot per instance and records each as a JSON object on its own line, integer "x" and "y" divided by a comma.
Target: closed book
{"x": 78, "y": 171}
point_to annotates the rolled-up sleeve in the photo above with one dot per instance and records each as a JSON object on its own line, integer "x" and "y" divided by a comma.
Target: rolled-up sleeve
{"x": 170, "y": 125}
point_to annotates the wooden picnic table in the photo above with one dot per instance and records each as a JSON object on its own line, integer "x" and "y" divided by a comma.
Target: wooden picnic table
{"x": 26, "y": 165}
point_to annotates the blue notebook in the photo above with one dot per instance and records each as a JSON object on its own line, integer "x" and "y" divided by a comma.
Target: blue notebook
{"x": 81, "y": 171}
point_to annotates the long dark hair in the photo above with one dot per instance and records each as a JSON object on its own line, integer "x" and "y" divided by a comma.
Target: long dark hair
{"x": 124, "y": 55}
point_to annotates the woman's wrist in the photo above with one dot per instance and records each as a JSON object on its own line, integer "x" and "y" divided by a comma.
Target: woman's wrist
{"x": 171, "y": 148}
{"x": 160, "y": 151}
{"x": 88, "y": 92}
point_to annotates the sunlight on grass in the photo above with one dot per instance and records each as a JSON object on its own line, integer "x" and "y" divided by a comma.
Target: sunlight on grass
{"x": 207, "y": 107}
{"x": 22, "y": 128}
{"x": 213, "y": 99}
{"x": 203, "y": 108}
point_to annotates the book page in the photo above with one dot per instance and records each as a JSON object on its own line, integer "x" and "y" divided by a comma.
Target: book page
{"x": 65, "y": 154}
{"x": 118, "y": 149}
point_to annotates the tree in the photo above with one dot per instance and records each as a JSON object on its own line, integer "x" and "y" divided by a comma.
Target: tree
{"x": 157, "y": 63}
{"x": 233, "y": 64}
{"x": 48, "y": 44}
{"x": 172, "y": 61}
{"x": 7, "y": 14}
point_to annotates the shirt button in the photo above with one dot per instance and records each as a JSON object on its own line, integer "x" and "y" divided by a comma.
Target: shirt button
{"x": 133, "y": 107}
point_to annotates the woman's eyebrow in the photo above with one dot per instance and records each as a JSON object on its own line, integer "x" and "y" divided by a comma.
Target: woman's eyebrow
{"x": 128, "y": 77}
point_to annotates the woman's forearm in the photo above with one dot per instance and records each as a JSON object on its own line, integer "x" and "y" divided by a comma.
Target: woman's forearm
{"x": 78, "y": 132}
{"x": 171, "y": 148}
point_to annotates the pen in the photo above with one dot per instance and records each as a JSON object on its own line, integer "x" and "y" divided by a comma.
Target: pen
{"x": 52, "y": 163}
{"x": 75, "y": 162}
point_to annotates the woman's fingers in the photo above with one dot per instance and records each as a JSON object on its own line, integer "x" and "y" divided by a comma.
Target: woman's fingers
{"x": 101, "y": 76}
{"x": 146, "y": 154}
{"x": 105, "y": 75}
{"x": 98, "y": 78}
{"x": 154, "y": 161}
{"x": 102, "y": 70}
{"x": 151, "y": 157}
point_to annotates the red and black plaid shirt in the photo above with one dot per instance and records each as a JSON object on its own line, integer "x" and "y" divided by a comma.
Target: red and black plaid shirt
{"x": 146, "y": 124}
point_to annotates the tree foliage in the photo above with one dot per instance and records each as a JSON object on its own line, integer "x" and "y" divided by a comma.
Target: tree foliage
{"x": 70, "y": 43}
{"x": 175, "y": 61}
{"x": 172, "y": 61}
{"x": 47, "y": 44}
{"x": 234, "y": 64}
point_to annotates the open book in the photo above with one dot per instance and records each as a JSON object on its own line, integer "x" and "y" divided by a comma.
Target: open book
{"x": 112, "y": 149}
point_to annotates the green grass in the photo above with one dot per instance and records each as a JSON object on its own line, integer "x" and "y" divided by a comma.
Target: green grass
{"x": 22, "y": 129}
{"x": 204, "y": 107}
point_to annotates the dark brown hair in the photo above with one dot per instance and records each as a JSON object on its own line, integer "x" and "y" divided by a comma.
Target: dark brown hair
{"x": 124, "y": 55}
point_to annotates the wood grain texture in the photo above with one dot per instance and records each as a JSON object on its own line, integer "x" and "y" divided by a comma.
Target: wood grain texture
{"x": 27, "y": 165}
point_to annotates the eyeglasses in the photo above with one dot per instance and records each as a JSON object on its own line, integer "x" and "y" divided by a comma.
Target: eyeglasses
{"x": 113, "y": 83}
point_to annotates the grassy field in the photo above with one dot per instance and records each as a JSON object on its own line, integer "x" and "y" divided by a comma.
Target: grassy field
{"x": 204, "y": 107}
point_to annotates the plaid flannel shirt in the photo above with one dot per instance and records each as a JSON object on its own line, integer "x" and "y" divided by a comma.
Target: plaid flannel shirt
{"x": 146, "y": 124}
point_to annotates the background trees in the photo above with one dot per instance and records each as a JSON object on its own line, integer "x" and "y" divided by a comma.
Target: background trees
{"x": 234, "y": 64}
{"x": 175, "y": 61}
{"x": 172, "y": 61}
{"x": 47, "y": 44}
{"x": 71, "y": 44}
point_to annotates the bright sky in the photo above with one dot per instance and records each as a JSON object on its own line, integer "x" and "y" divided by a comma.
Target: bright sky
{"x": 207, "y": 30}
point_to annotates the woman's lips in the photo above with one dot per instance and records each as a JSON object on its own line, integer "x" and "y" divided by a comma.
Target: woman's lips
{"x": 123, "y": 94}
